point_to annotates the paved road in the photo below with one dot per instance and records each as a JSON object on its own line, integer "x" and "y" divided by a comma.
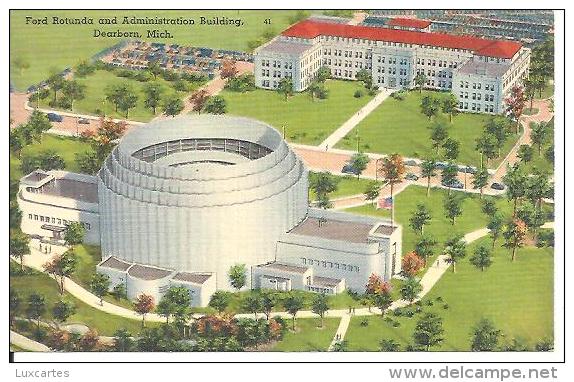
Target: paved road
{"x": 26, "y": 343}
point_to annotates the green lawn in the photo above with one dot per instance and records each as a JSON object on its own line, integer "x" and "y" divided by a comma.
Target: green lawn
{"x": 517, "y": 297}
{"x": 399, "y": 126}
{"x": 547, "y": 92}
{"x": 48, "y": 47}
{"x": 306, "y": 121}
{"x": 440, "y": 227}
{"x": 348, "y": 186}
{"x": 95, "y": 92}
{"x": 308, "y": 337}
{"x": 539, "y": 161}
{"x": 105, "y": 324}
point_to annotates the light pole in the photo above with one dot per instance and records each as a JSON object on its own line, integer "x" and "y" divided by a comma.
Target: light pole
{"x": 283, "y": 132}
{"x": 358, "y": 141}
{"x": 377, "y": 169}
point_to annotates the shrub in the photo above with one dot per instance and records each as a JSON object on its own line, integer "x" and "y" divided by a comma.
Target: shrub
{"x": 364, "y": 322}
{"x": 125, "y": 73}
{"x": 396, "y": 324}
{"x": 445, "y": 306}
{"x": 358, "y": 94}
{"x": 430, "y": 303}
{"x": 143, "y": 76}
{"x": 545, "y": 238}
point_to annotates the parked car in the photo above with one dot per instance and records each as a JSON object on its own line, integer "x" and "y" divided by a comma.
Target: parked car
{"x": 497, "y": 186}
{"x": 410, "y": 162}
{"x": 440, "y": 165}
{"x": 53, "y": 117}
{"x": 467, "y": 169}
{"x": 454, "y": 184}
{"x": 348, "y": 169}
{"x": 411, "y": 176}
{"x": 84, "y": 121}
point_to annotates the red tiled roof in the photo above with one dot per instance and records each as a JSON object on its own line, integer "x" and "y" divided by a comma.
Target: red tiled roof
{"x": 485, "y": 47}
{"x": 408, "y": 23}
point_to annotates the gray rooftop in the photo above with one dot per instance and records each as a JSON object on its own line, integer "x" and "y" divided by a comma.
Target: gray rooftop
{"x": 115, "y": 263}
{"x": 490, "y": 69}
{"x": 35, "y": 176}
{"x": 353, "y": 232}
{"x": 195, "y": 278}
{"x": 73, "y": 189}
{"x": 145, "y": 272}
{"x": 384, "y": 229}
{"x": 286, "y": 47}
{"x": 325, "y": 281}
{"x": 285, "y": 267}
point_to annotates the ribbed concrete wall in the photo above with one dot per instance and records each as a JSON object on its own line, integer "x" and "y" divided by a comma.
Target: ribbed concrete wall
{"x": 205, "y": 217}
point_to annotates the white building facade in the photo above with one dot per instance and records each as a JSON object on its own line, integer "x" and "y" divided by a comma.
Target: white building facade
{"x": 393, "y": 57}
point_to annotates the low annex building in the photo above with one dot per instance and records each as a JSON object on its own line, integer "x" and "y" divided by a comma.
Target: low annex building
{"x": 480, "y": 72}
{"x": 181, "y": 201}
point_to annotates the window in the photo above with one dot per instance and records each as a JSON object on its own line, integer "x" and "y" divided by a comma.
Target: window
{"x": 304, "y": 260}
{"x": 30, "y": 216}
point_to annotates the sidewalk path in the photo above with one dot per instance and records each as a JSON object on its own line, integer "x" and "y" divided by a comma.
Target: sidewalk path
{"x": 350, "y": 124}
{"x": 26, "y": 343}
{"x": 341, "y": 330}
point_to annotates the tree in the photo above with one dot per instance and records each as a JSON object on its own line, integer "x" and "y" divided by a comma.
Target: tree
{"x": 425, "y": 247}
{"x": 489, "y": 207}
{"x": 89, "y": 341}
{"x": 449, "y": 175}
{"x": 411, "y": 264}
{"x": 388, "y": 345}
{"x": 495, "y": 227}
{"x": 100, "y": 285}
{"x": 153, "y": 93}
{"x": 293, "y": 303}
{"x": 323, "y": 183}
{"x": 172, "y": 106}
{"x": 481, "y": 258}
{"x": 450, "y": 106}
{"x": 455, "y": 250}
{"x": 46, "y": 160}
{"x": 314, "y": 89}
{"x": 320, "y": 306}
{"x": 393, "y": 169}
{"x": 480, "y": 180}
{"x": 228, "y": 69}
{"x": 38, "y": 123}
{"x": 537, "y": 188}
{"x": 486, "y": 146}
{"x": 268, "y": 302}
{"x": 128, "y": 100}
{"x": 74, "y": 91}
{"x": 382, "y": 300}
{"x": 56, "y": 83}
{"x": 143, "y": 305}
{"x": 485, "y": 336}
{"x": 36, "y": 307}
{"x": 539, "y": 134}
{"x": 429, "y": 331}
{"x": 15, "y": 215}
{"x": 365, "y": 77}
{"x": 62, "y": 266}
{"x": 498, "y": 128}
{"x": 428, "y": 168}
{"x": 88, "y": 162}
{"x": 19, "y": 246}
{"x": 376, "y": 284}
{"x": 119, "y": 291}
{"x": 410, "y": 289}
{"x": 372, "y": 191}
{"x": 452, "y": 207}
{"x": 62, "y": 310}
{"x": 74, "y": 233}
{"x": 123, "y": 341}
{"x": 530, "y": 87}
{"x": 114, "y": 94}
{"x": 514, "y": 235}
{"x": 177, "y": 302}
{"x": 525, "y": 153}
{"x": 359, "y": 163}
{"x": 253, "y": 303}
{"x": 451, "y": 148}
{"x": 549, "y": 154}
{"x": 285, "y": 87}
{"x": 104, "y": 139}
{"x": 323, "y": 74}
{"x": 516, "y": 182}
{"x": 420, "y": 217}
{"x": 16, "y": 142}
{"x": 420, "y": 81}
{"x": 15, "y": 305}
{"x": 515, "y": 104}
{"x": 430, "y": 106}
{"x": 439, "y": 135}
{"x": 215, "y": 105}
{"x": 220, "y": 301}
{"x": 238, "y": 276}
{"x": 199, "y": 99}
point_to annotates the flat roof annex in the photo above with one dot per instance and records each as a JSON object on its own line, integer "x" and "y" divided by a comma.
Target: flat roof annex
{"x": 308, "y": 29}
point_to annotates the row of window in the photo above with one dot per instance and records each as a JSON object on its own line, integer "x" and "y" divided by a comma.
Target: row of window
{"x": 476, "y": 85}
{"x": 276, "y": 73}
{"x": 475, "y": 107}
{"x": 330, "y": 264}
{"x": 441, "y": 63}
{"x": 346, "y": 53}
{"x": 48, "y": 219}
{"x": 477, "y": 96}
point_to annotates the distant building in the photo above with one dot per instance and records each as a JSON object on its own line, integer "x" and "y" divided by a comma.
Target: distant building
{"x": 394, "y": 55}
{"x": 180, "y": 201}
